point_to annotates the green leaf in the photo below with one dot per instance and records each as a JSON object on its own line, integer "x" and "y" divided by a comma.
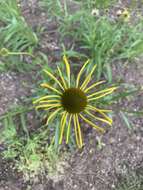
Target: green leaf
{"x": 57, "y": 134}
{"x": 126, "y": 120}
{"x": 23, "y": 124}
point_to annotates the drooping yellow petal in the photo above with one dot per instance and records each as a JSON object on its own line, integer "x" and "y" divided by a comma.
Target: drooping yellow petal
{"x": 68, "y": 129}
{"x": 49, "y": 108}
{"x": 49, "y": 101}
{"x": 100, "y": 111}
{"x": 46, "y": 97}
{"x": 79, "y": 131}
{"x": 88, "y": 78}
{"x": 92, "y": 124}
{"x": 106, "y": 111}
{"x": 94, "y": 85}
{"x": 98, "y": 118}
{"x": 102, "y": 93}
{"x": 76, "y": 133}
{"x": 52, "y": 115}
{"x": 51, "y": 88}
{"x": 54, "y": 78}
{"x": 62, "y": 78}
{"x": 67, "y": 68}
{"x": 101, "y": 96}
{"x": 62, "y": 126}
{"x": 48, "y": 105}
{"x": 80, "y": 73}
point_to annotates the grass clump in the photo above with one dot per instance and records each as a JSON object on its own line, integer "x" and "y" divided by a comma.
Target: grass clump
{"x": 15, "y": 34}
{"x": 102, "y": 39}
{"x": 30, "y": 151}
{"x": 100, "y": 4}
{"x": 16, "y": 37}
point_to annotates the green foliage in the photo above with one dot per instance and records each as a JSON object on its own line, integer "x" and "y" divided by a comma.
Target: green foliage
{"x": 126, "y": 93}
{"x": 15, "y": 34}
{"x": 90, "y": 4}
{"x": 12, "y": 10}
{"x": 102, "y": 39}
{"x": 15, "y": 61}
{"x": 30, "y": 151}
{"x": 54, "y": 8}
{"x": 126, "y": 120}
{"x": 15, "y": 37}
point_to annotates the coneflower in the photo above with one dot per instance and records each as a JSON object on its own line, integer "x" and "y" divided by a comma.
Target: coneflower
{"x": 74, "y": 102}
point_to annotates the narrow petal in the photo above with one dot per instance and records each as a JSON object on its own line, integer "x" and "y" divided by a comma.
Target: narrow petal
{"x": 94, "y": 85}
{"x": 68, "y": 129}
{"x": 52, "y": 107}
{"x": 80, "y": 73}
{"x": 92, "y": 124}
{"x": 79, "y": 131}
{"x": 98, "y": 118}
{"x": 101, "y": 96}
{"x": 102, "y": 93}
{"x": 52, "y": 115}
{"x": 88, "y": 78}
{"x": 49, "y": 101}
{"x": 62, "y": 126}
{"x": 48, "y": 105}
{"x": 101, "y": 112}
{"x": 50, "y": 87}
{"x": 62, "y": 78}
{"x": 75, "y": 129}
{"x": 54, "y": 78}
{"x": 67, "y": 68}
{"x": 46, "y": 97}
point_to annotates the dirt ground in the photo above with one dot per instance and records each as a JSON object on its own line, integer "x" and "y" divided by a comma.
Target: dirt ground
{"x": 91, "y": 168}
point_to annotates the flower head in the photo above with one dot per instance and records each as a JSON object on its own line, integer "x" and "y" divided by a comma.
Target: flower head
{"x": 74, "y": 103}
{"x": 126, "y": 15}
{"x": 95, "y": 12}
{"x": 119, "y": 13}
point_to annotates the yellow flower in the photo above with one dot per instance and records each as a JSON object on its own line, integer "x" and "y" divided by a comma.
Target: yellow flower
{"x": 72, "y": 103}
{"x": 125, "y": 15}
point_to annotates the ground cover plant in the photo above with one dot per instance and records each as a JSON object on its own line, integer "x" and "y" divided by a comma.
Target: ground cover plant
{"x": 43, "y": 133}
{"x": 97, "y": 37}
{"x": 15, "y": 35}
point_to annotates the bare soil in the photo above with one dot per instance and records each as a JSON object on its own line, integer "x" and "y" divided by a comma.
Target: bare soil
{"x": 90, "y": 168}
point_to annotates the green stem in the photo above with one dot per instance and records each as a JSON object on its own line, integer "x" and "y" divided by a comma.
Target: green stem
{"x": 21, "y": 53}
{"x": 16, "y": 112}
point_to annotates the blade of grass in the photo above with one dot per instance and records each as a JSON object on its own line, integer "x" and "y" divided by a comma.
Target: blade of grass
{"x": 126, "y": 120}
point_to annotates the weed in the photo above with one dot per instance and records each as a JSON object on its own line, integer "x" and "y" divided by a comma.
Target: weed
{"x": 101, "y": 39}
{"x": 15, "y": 34}
{"x": 133, "y": 181}
{"x": 54, "y": 8}
{"x": 30, "y": 151}
{"x": 16, "y": 37}
{"x": 100, "y": 4}
{"x": 104, "y": 41}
